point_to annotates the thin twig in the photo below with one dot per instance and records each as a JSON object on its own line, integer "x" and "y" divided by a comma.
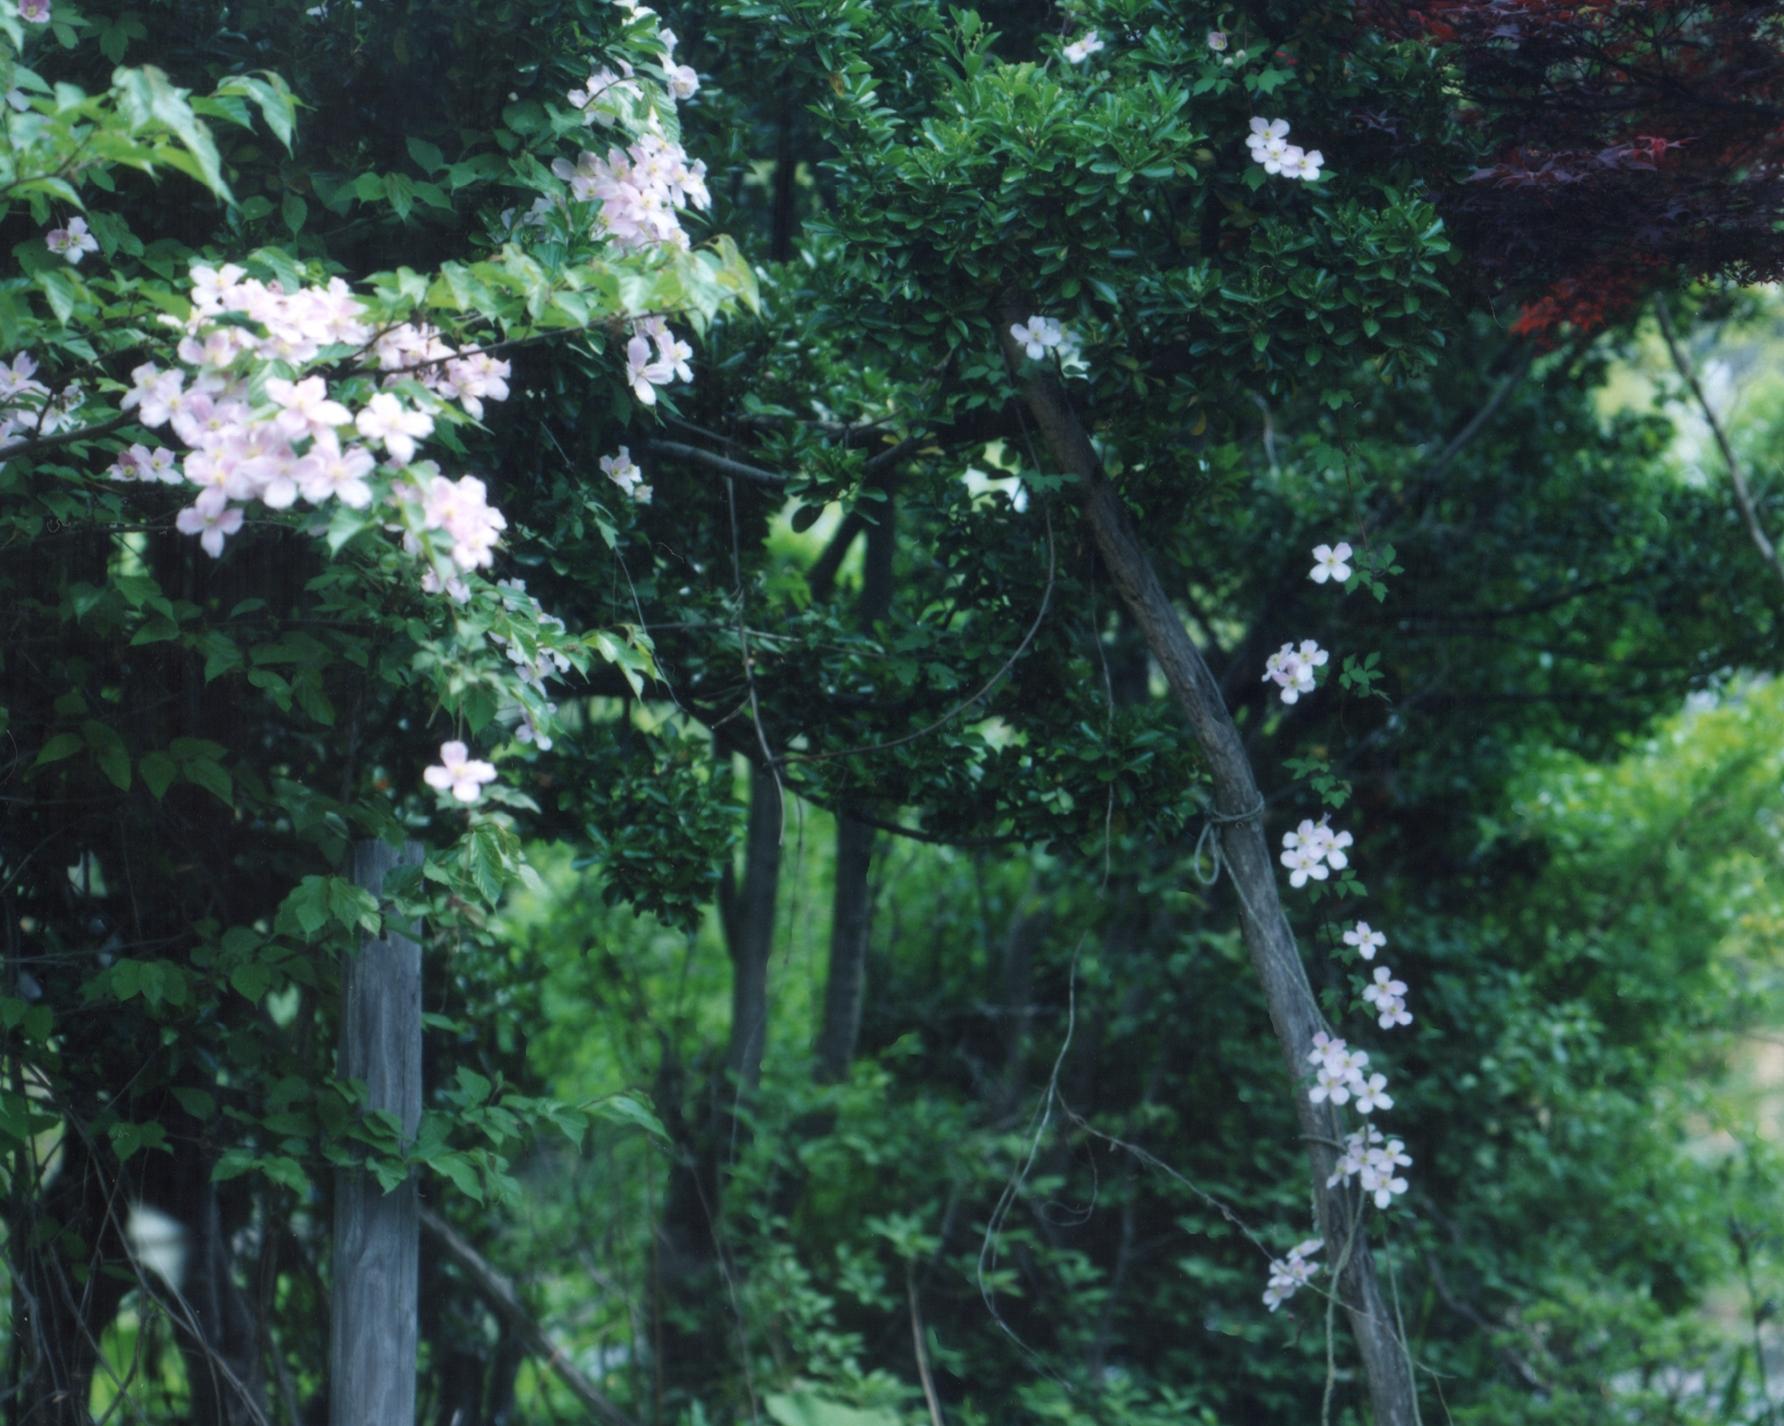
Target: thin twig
{"x": 1737, "y": 477}
{"x": 929, "y": 1396}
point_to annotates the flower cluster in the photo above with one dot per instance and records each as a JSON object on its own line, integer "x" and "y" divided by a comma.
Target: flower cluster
{"x": 1314, "y": 851}
{"x": 1372, "y": 1158}
{"x": 1341, "y": 1074}
{"x": 1388, "y": 996}
{"x": 535, "y": 667}
{"x": 1291, "y": 668}
{"x": 641, "y": 189}
{"x": 1288, "y": 1275}
{"x": 28, "y": 408}
{"x": 655, "y": 356}
{"x": 1269, "y": 145}
{"x": 291, "y": 438}
{"x": 1082, "y": 48}
{"x": 623, "y": 472}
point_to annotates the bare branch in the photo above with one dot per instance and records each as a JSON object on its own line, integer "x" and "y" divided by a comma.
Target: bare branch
{"x": 1737, "y": 477}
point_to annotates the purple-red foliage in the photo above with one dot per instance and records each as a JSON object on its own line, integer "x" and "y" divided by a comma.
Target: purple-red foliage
{"x": 1626, "y": 143}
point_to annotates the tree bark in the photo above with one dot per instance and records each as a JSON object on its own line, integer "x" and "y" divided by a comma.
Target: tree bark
{"x": 852, "y": 901}
{"x": 749, "y": 934}
{"x": 373, "y": 1315}
{"x": 1270, "y": 940}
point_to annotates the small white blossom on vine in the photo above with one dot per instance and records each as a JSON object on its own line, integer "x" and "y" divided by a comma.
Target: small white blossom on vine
{"x": 1292, "y": 669}
{"x": 1313, "y": 851}
{"x": 1304, "y": 164}
{"x": 1377, "y": 1175}
{"x": 1372, "y": 1094}
{"x": 1290, "y": 1274}
{"x": 459, "y": 772}
{"x": 73, "y": 241}
{"x": 1330, "y": 562}
{"x": 1081, "y": 49}
{"x": 1366, "y": 939}
{"x": 1388, "y": 996}
{"x": 1038, "y": 335}
{"x": 1217, "y": 41}
{"x": 623, "y": 471}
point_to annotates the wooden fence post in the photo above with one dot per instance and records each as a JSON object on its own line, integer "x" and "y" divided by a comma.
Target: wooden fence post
{"x": 373, "y": 1325}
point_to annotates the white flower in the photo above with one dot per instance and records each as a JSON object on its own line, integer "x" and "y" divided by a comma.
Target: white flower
{"x": 460, "y": 772}
{"x": 305, "y": 409}
{"x": 1081, "y": 49}
{"x": 1217, "y": 41}
{"x": 331, "y": 471}
{"x": 683, "y": 81}
{"x": 74, "y": 241}
{"x": 645, "y": 373}
{"x": 154, "y": 393}
{"x": 211, "y": 523}
{"x": 1264, "y": 131}
{"x": 1385, "y": 988}
{"x": 1287, "y": 1275}
{"x": 1393, "y": 1012}
{"x": 624, "y": 472}
{"x": 1377, "y": 1173}
{"x": 1292, "y": 669}
{"x": 1304, "y": 164}
{"x": 1366, "y": 939}
{"x": 1037, "y": 336}
{"x": 1330, "y": 1083}
{"x": 1330, "y": 562}
{"x": 1372, "y": 1094}
{"x": 394, "y": 426}
{"x": 1276, "y": 154}
{"x": 1356, "y": 1149}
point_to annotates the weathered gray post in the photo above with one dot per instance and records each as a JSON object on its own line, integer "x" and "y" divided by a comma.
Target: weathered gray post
{"x": 373, "y": 1327}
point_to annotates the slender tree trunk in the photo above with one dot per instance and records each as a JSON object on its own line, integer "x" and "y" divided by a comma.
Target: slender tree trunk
{"x": 693, "y": 1303}
{"x": 852, "y": 905}
{"x": 1270, "y": 940}
{"x": 749, "y": 936}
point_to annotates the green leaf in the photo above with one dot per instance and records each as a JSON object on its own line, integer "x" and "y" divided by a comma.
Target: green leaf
{"x": 212, "y": 778}
{"x": 199, "y": 1103}
{"x": 147, "y": 100}
{"x": 427, "y": 155}
{"x": 629, "y": 1110}
{"x": 462, "y": 1173}
{"x": 158, "y": 772}
{"x": 269, "y": 91}
{"x": 251, "y": 980}
{"x": 804, "y": 1408}
{"x": 294, "y": 210}
{"x": 127, "y": 1138}
{"x": 61, "y": 746}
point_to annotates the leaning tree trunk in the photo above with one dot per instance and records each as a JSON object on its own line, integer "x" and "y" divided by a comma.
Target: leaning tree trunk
{"x": 1268, "y": 936}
